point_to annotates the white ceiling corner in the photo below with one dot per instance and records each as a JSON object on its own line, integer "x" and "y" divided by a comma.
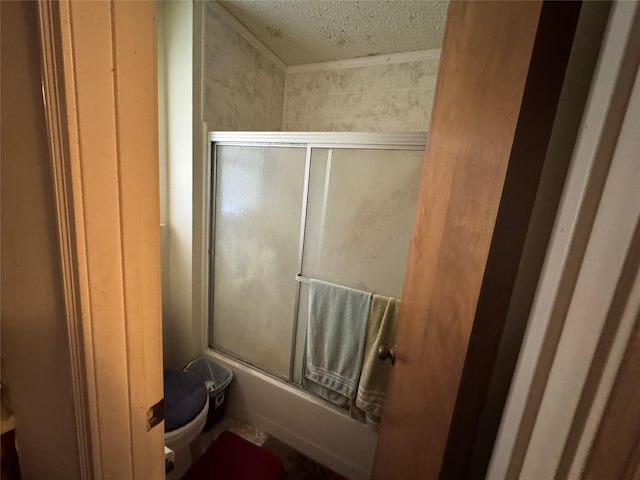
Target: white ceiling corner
{"x": 313, "y": 31}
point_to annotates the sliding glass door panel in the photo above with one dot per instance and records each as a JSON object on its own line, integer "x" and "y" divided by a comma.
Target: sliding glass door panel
{"x": 359, "y": 217}
{"x": 256, "y": 229}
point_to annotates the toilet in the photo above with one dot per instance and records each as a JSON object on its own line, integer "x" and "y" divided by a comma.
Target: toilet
{"x": 186, "y": 405}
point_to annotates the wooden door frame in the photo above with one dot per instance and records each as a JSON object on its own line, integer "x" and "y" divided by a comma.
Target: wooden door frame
{"x": 484, "y": 159}
{"x": 100, "y": 94}
{"x": 536, "y": 428}
{"x": 530, "y": 151}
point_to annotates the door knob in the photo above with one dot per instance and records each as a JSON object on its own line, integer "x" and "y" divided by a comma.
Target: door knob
{"x": 385, "y": 352}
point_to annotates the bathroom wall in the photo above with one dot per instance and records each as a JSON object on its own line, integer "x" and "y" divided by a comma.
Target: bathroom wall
{"x": 244, "y": 86}
{"x": 182, "y": 132}
{"x": 35, "y": 345}
{"x": 184, "y": 324}
{"x": 391, "y": 93}
{"x": 176, "y": 43}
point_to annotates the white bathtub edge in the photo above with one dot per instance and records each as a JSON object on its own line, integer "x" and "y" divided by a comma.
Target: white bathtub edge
{"x": 311, "y": 426}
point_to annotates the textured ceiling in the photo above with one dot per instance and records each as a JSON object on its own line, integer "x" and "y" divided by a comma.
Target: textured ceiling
{"x": 311, "y": 31}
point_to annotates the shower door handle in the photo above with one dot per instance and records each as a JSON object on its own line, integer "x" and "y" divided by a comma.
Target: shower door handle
{"x": 385, "y": 352}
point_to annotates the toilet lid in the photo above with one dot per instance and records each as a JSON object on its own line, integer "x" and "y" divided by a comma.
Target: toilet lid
{"x": 184, "y": 398}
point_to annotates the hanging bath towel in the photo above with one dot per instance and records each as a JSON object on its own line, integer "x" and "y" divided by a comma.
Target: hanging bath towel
{"x": 372, "y": 388}
{"x": 335, "y": 340}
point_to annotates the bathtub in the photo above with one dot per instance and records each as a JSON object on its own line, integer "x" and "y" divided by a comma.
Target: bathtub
{"x": 316, "y": 429}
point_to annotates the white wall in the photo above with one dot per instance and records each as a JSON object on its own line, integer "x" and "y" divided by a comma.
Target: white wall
{"x": 162, "y": 155}
{"x": 35, "y": 345}
{"x": 175, "y": 26}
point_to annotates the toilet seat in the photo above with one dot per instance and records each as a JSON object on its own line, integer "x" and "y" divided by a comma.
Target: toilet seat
{"x": 184, "y": 435}
{"x": 184, "y": 398}
{"x": 186, "y": 409}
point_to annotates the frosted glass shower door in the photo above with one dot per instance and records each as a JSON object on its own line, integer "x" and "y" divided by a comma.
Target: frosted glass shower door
{"x": 256, "y": 229}
{"x": 360, "y": 216}
{"x": 359, "y": 220}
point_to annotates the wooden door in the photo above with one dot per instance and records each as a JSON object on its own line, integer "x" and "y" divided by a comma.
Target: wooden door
{"x": 615, "y": 452}
{"x": 99, "y": 85}
{"x": 501, "y": 72}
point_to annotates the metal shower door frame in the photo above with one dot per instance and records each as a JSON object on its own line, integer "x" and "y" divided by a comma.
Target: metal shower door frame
{"x": 309, "y": 141}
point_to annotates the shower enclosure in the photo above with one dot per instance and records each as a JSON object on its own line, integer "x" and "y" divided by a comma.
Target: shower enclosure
{"x": 287, "y": 206}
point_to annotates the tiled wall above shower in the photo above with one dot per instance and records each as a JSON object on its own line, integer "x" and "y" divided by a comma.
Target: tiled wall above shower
{"x": 247, "y": 88}
{"x": 391, "y": 97}
{"x": 244, "y": 90}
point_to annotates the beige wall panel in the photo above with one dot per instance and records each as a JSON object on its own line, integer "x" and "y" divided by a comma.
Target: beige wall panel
{"x": 35, "y": 348}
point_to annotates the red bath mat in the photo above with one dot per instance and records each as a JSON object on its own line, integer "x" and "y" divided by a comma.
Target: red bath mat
{"x": 233, "y": 458}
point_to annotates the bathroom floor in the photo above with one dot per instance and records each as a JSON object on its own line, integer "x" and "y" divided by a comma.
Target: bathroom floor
{"x": 296, "y": 465}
